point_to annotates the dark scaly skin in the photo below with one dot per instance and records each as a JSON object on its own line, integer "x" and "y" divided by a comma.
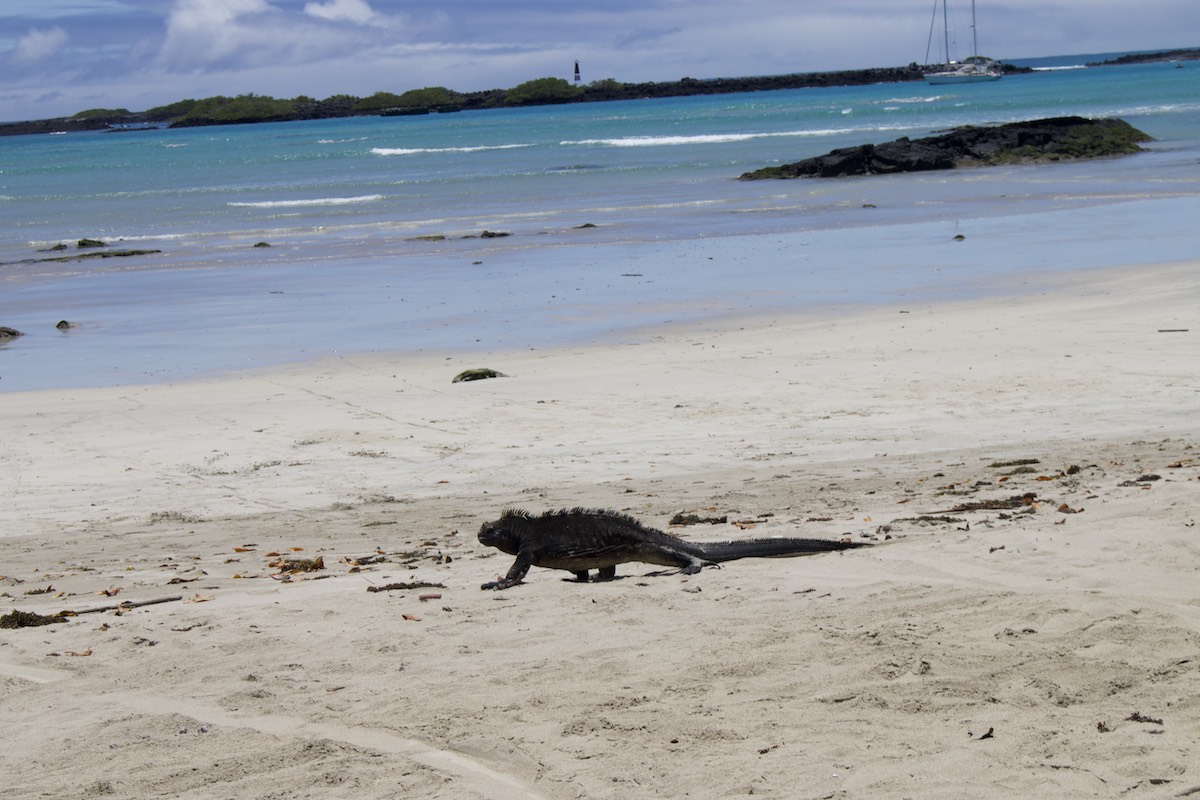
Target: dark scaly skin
{"x": 579, "y": 540}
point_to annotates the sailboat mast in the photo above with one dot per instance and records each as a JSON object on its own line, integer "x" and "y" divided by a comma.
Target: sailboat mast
{"x": 973, "y": 69}
{"x": 974, "y": 35}
{"x": 946, "y": 30}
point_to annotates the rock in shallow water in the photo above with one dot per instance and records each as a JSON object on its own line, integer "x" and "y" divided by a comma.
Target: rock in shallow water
{"x": 1035, "y": 141}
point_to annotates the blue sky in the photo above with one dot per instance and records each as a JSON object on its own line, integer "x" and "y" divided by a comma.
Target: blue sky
{"x": 62, "y": 56}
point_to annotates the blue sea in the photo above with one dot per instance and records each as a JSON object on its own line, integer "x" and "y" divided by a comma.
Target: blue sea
{"x": 619, "y": 217}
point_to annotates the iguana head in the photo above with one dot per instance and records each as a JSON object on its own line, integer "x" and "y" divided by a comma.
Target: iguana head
{"x": 502, "y": 533}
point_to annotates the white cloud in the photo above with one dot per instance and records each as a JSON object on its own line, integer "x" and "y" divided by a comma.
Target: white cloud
{"x": 201, "y": 32}
{"x": 350, "y": 10}
{"x": 52, "y": 9}
{"x": 212, "y": 36}
{"x": 212, "y": 13}
{"x": 138, "y": 53}
{"x": 39, "y": 44}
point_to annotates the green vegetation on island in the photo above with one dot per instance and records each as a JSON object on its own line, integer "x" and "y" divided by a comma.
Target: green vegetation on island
{"x": 176, "y": 110}
{"x": 102, "y": 114}
{"x": 225, "y": 110}
{"x": 249, "y": 108}
{"x": 379, "y": 101}
{"x": 542, "y": 91}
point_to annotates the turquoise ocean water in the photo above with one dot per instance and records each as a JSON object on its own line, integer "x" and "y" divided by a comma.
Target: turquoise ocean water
{"x": 352, "y": 210}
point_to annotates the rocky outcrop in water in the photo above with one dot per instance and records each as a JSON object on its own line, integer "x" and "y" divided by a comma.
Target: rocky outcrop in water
{"x": 1035, "y": 141}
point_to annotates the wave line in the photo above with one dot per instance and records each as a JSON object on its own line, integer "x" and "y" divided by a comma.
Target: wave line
{"x": 319, "y": 201}
{"x": 412, "y": 151}
{"x": 713, "y": 138}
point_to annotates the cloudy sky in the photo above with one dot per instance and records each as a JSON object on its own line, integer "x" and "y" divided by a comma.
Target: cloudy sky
{"x": 58, "y": 57}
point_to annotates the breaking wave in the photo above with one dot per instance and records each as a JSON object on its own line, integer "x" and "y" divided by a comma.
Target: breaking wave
{"x": 317, "y": 201}
{"x": 712, "y": 138}
{"x": 412, "y": 151}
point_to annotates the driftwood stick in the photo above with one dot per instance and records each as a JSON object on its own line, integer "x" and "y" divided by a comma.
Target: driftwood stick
{"x": 125, "y": 605}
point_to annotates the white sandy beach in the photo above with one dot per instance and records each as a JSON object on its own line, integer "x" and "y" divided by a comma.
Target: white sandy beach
{"x": 1050, "y": 649}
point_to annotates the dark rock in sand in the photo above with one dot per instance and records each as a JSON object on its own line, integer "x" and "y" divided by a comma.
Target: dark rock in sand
{"x": 262, "y": 244}
{"x": 83, "y": 243}
{"x": 9, "y": 333}
{"x": 1042, "y": 140}
{"x": 63, "y": 325}
{"x": 477, "y": 375}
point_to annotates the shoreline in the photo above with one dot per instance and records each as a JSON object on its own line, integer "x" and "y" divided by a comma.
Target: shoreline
{"x": 1060, "y": 334}
{"x": 1003, "y": 642}
{"x": 535, "y": 292}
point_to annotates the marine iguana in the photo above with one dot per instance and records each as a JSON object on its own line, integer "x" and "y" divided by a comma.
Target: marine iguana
{"x": 583, "y": 539}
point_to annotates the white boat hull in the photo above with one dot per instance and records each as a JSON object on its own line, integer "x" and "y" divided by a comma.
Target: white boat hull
{"x": 939, "y": 78}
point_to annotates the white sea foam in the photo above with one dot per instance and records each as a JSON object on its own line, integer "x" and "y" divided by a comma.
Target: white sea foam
{"x": 316, "y": 201}
{"x": 715, "y": 138}
{"x": 412, "y": 151}
{"x": 916, "y": 99}
{"x": 664, "y": 141}
{"x": 342, "y": 141}
{"x": 1165, "y": 108}
{"x": 711, "y": 138}
{"x": 150, "y": 237}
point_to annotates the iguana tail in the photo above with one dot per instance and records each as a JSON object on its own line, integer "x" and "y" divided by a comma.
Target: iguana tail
{"x": 768, "y": 548}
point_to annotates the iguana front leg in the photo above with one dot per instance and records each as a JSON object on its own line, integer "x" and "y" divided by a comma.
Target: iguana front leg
{"x": 516, "y": 572}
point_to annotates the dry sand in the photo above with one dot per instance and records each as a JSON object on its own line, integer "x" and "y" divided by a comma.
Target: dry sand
{"x": 1049, "y": 649}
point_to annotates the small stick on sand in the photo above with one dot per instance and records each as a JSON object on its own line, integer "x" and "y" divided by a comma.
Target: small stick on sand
{"x": 123, "y": 606}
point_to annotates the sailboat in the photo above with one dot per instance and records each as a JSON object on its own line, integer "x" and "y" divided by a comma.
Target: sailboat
{"x": 975, "y": 69}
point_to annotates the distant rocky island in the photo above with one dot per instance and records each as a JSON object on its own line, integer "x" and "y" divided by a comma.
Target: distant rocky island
{"x": 1036, "y": 141}
{"x": 1189, "y": 54}
{"x": 251, "y": 108}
